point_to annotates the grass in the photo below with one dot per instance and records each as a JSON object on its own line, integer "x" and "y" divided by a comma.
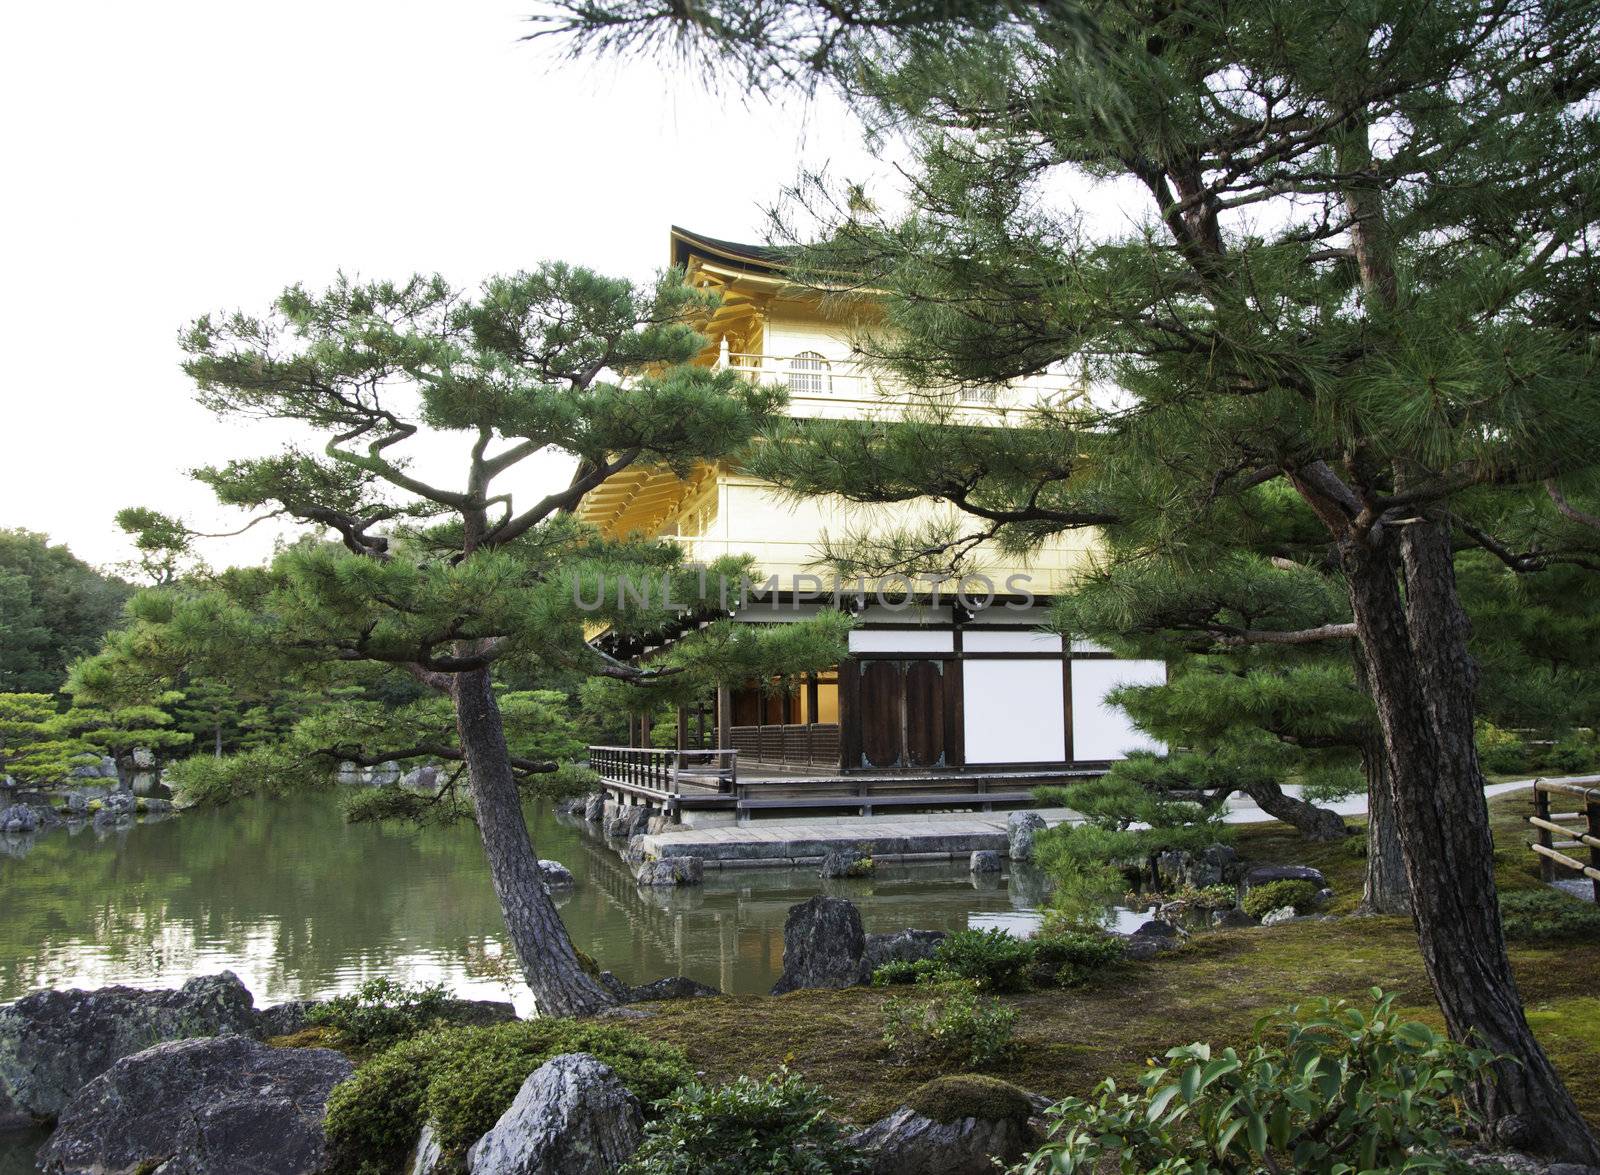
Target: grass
{"x": 1213, "y": 989}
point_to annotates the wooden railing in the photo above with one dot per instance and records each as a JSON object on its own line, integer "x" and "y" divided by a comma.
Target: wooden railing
{"x": 665, "y": 772}
{"x": 800, "y": 744}
{"x": 1551, "y": 824}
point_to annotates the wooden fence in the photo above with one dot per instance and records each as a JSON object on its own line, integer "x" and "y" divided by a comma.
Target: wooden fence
{"x": 1550, "y": 824}
{"x": 813, "y": 744}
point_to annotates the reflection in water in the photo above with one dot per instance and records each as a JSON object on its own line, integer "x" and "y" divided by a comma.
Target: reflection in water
{"x": 300, "y": 904}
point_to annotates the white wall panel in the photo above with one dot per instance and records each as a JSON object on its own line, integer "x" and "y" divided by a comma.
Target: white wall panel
{"x": 1101, "y": 731}
{"x": 901, "y": 641}
{"x": 1010, "y": 642}
{"x": 1013, "y": 711}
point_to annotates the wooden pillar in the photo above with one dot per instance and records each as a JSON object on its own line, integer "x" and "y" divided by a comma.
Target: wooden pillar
{"x": 644, "y": 729}
{"x": 724, "y": 717}
{"x": 700, "y": 727}
{"x": 811, "y": 699}
{"x": 683, "y": 728}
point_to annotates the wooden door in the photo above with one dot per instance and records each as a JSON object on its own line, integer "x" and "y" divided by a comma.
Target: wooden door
{"x": 881, "y": 729}
{"x": 924, "y": 706}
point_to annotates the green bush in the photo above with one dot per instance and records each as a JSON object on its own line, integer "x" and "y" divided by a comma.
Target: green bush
{"x": 776, "y": 1126}
{"x": 996, "y": 961}
{"x": 381, "y": 1011}
{"x": 952, "y": 1023}
{"x": 1576, "y": 754}
{"x": 1548, "y": 915}
{"x": 1349, "y": 1089}
{"x": 1501, "y": 751}
{"x": 1261, "y": 900}
{"x": 463, "y": 1078}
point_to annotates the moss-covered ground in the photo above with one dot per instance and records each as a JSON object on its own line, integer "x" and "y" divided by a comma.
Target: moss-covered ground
{"x": 1213, "y": 989}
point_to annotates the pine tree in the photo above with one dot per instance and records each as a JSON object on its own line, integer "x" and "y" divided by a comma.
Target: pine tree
{"x": 34, "y": 749}
{"x": 1354, "y": 258}
{"x": 442, "y": 579}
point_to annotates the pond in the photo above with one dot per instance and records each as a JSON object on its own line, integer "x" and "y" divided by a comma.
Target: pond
{"x": 300, "y": 905}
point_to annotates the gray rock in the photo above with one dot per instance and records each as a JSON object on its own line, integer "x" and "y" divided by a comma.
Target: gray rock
{"x": 1021, "y": 828}
{"x": 903, "y": 946}
{"x": 85, "y": 771}
{"x": 350, "y": 774}
{"x": 594, "y": 808}
{"x": 108, "y": 767}
{"x": 1153, "y": 938}
{"x": 479, "y": 1012}
{"x": 670, "y": 871}
{"x": 984, "y": 861}
{"x": 156, "y": 804}
{"x": 1323, "y": 896}
{"x": 19, "y": 818}
{"x": 1234, "y": 919}
{"x": 615, "y": 986}
{"x": 77, "y": 802}
{"x": 144, "y": 758}
{"x": 427, "y": 1155}
{"x": 847, "y": 862}
{"x": 556, "y": 875}
{"x": 660, "y": 822}
{"x": 572, "y": 1115}
{"x": 425, "y": 778}
{"x": 7, "y": 782}
{"x": 672, "y": 987}
{"x": 216, "y": 1106}
{"x": 1278, "y": 917}
{"x": 384, "y": 775}
{"x": 53, "y": 1043}
{"x": 284, "y": 1019}
{"x": 119, "y": 803}
{"x": 906, "y": 1143}
{"x": 628, "y": 822}
{"x": 822, "y": 945}
{"x": 1262, "y": 874}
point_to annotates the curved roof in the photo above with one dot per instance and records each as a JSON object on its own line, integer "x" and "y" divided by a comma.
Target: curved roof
{"x": 755, "y": 258}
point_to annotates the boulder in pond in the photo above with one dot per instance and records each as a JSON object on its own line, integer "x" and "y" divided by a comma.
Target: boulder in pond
{"x": 822, "y": 945}
{"x": 556, "y": 875}
{"x": 424, "y": 778}
{"x": 903, "y": 946}
{"x": 572, "y": 1115}
{"x": 53, "y": 1043}
{"x": 214, "y": 1106}
{"x": 384, "y": 775}
{"x": 957, "y": 1125}
{"x": 670, "y": 871}
{"x": 594, "y": 808}
{"x": 854, "y": 861}
{"x": 628, "y": 821}
{"x": 1021, "y": 828}
{"x": 984, "y": 861}
{"x": 119, "y": 803}
{"x": 19, "y": 818}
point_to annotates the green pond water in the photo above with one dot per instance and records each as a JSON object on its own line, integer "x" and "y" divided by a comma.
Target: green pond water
{"x": 300, "y": 904}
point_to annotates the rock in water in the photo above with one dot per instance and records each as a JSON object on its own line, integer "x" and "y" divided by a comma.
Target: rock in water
{"x": 556, "y": 875}
{"x": 984, "y": 861}
{"x": 19, "y": 818}
{"x": 628, "y": 822}
{"x": 1021, "y": 828}
{"x": 594, "y": 808}
{"x": 822, "y": 945}
{"x": 850, "y": 862}
{"x": 673, "y": 871}
{"x": 218, "y": 1106}
{"x": 572, "y": 1115}
{"x": 53, "y": 1043}
{"x": 951, "y": 1126}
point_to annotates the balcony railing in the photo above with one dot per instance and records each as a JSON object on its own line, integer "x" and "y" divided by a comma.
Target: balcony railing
{"x": 665, "y": 773}
{"x": 810, "y": 375}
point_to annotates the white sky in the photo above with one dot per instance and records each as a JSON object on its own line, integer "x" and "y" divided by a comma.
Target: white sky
{"x": 161, "y": 160}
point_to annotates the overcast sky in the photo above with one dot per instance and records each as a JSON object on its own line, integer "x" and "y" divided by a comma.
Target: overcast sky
{"x": 170, "y": 158}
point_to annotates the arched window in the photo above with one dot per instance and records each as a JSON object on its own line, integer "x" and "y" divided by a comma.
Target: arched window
{"x": 809, "y": 375}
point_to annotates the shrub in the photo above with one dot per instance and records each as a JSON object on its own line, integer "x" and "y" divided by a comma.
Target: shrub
{"x": 1501, "y": 751}
{"x": 1548, "y": 915}
{"x": 995, "y": 961}
{"x": 1574, "y": 754}
{"x": 1350, "y": 1089}
{"x": 463, "y": 1078}
{"x": 381, "y": 1011}
{"x": 1275, "y": 895}
{"x": 778, "y": 1125}
{"x": 952, "y": 1023}
{"x": 968, "y": 1095}
{"x": 1066, "y": 958}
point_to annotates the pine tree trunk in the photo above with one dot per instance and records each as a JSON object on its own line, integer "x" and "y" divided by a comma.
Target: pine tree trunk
{"x": 1313, "y": 822}
{"x": 1386, "y": 891}
{"x": 549, "y": 962}
{"x": 1422, "y": 685}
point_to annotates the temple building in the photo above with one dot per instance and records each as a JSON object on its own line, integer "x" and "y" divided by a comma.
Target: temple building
{"x": 941, "y": 691}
